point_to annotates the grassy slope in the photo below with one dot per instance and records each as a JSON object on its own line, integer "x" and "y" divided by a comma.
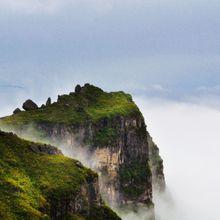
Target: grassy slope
{"x": 28, "y": 180}
{"x": 90, "y": 104}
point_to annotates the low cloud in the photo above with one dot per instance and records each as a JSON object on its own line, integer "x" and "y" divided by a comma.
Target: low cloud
{"x": 188, "y": 137}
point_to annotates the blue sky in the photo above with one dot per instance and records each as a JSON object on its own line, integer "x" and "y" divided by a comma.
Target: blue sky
{"x": 155, "y": 48}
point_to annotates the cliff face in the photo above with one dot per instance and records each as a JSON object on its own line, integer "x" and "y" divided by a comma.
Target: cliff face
{"x": 156, "y": 164}
{"x": 38, "y": 182}
{"x": 112, "y": 129}
{"x": 119, "y": 148}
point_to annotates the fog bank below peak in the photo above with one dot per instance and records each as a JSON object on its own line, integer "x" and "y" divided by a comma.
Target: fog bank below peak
{"x": 188, "y": 138}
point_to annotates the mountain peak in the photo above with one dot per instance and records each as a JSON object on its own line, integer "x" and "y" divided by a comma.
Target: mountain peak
{"x": 87, "y": 102}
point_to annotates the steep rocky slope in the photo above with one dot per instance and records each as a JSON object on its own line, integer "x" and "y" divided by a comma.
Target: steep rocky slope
{"x": 112, "y": 129}
{"x": 156, "y": 164}
{"x": 38, "y": 182}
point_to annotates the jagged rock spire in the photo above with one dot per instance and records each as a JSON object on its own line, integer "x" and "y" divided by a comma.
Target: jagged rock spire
{"x": 48, "y": 102}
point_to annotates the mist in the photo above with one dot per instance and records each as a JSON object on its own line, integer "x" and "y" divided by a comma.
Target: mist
{"x": 188, "y": 137}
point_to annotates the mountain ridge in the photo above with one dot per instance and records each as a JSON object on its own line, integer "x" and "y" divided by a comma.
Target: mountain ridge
{"x": 112, "y": 129}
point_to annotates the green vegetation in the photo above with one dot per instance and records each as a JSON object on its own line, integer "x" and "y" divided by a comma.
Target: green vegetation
{"x": 132, "y": 177}
{"x": 105, "y": 136}
{"x": 29, "y": 181}
{"x": 91, "y": 103}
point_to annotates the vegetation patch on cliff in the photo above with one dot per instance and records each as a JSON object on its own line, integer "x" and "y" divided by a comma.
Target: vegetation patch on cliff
{"x": 89, "y": 103}
{"x": 31, "y": 181}
{"x": 105, "y": 136}
{"x": 132, "y": 177}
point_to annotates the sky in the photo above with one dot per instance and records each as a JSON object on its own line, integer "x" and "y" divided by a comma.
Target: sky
{"x": 165, "y": 53}
{"x": 165, "y": 48}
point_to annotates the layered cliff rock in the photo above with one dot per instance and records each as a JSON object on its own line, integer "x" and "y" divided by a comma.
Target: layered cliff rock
{"x": 110, "y": 127}
{"x": 38, "y": 182}
{"x": 156, "y": 164}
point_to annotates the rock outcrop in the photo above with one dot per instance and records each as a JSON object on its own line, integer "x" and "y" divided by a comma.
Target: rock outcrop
{"x": 29, "y": 105}
{"x": 77, "y": 89}
{"x": 17, "y": 110}
{"x": 156, "y": 164}
{"x": 45, "y": 149}
{"x": 48, "y": 102}
{"x": 38, "y": 182}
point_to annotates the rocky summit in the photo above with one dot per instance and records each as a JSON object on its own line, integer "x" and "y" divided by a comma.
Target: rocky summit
{"x": 112, "y": 129}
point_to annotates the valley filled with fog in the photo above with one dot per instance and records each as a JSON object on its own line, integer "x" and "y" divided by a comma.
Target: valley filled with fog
{"x": 188, "y": 137}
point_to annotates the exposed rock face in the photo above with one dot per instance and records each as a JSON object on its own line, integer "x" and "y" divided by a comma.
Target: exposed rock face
{"x": 17, "y": 110}
{"x": 48, "y": 102}
{"x": 29, "y": 105}
{"x": 122, "y": 159}
{"x": 156, "y": 164}
{"x": 87, "y": 203}
{"x": 45, "y": 149}
{"x": 81, "y": 203}
{"x": 77, "y": 88}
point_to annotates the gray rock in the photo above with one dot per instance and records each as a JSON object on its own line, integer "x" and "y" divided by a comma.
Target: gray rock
{"x": 78, "y": 88}
{"x": 59, "y": 98}
{"x": 86, "y": 85}
{"x": 45, "y": 149}
{"x": 29, "y": 105}
{"x": 48, "y": 101}
{"x": 17, "y": 110}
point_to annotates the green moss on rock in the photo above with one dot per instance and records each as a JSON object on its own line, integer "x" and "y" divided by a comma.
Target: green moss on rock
{"x": 105, "y": 136}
